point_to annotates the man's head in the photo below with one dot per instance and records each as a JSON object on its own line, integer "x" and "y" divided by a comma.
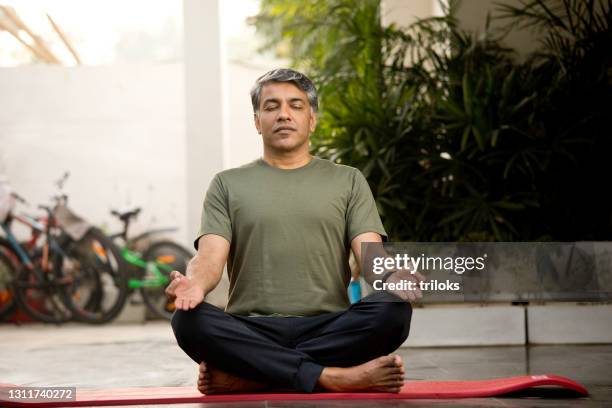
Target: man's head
{"x": 285, "y": 105}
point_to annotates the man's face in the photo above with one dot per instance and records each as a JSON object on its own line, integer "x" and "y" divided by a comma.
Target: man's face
{"x": 285, "y": 119}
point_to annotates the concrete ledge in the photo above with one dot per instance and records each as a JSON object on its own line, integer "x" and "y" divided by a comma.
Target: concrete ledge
{"x": 35, "y": 336}
{"x": 467, "y": 325}
{"x": 570, "y": 323}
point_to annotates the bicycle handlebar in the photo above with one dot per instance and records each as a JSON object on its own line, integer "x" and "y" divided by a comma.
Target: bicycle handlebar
{"x": 60, "y": 198}
{"x": 48, "y": 210}
{"x": 19, "y": 198}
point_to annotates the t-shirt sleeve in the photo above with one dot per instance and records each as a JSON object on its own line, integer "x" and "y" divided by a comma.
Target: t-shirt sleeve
{"x": 362, "y": 214}
{"x": 215, "y": 212}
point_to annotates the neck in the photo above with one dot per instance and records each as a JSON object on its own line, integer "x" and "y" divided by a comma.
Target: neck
{"x": 287, "y": 160}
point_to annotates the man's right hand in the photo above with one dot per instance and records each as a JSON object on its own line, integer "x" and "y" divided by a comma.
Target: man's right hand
{"x": 185, "y": 293}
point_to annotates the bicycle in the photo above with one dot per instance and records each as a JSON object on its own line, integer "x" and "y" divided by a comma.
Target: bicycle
{"x": 38, "y": 282}
{"x": 149, "y": 272}
{"x": 67, "y": 270}
{"x": 8, "y": 303}
{"x": 46, "y": 305}
{"x": 8, "y": 266}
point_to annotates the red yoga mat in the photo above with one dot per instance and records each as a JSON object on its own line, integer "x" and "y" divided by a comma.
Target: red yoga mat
{"x": 410, "y": 390}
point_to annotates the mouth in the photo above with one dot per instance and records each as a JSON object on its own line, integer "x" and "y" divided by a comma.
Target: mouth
{"x": 284, "y": 129}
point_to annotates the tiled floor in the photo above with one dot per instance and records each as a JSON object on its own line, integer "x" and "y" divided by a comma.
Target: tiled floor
{"x": 146, "y": 355}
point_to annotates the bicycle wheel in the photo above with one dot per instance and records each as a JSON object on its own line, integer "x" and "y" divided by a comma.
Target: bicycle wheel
{"x": 8, "y": 271}
{"x": 38, "y": 294}
{"x": 167, "y": 257}
{"x": 99, "y": 286}
{"x": 83, "y": 296}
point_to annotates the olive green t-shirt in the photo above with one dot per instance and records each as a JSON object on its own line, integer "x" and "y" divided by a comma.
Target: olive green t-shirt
{"x": 289, "y": 233}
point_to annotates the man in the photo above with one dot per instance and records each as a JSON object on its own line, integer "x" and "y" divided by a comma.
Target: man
{"x": 285, "y": 224}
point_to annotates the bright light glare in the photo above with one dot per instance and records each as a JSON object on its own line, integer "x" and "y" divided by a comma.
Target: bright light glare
{"x": 102, "y": 31}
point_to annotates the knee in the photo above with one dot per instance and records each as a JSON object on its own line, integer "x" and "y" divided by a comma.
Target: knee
{"x": 393, "y": 318}
{"x": 187, "y": 332}
{"x": 194, "y": 330}
{"x": 188, "y": 324}
{"x": 183, "y": 325}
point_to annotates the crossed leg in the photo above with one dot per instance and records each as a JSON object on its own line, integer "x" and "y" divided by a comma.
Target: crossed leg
{"x": 344, "y": 351}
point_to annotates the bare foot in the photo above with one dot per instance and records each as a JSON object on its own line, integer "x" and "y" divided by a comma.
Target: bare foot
{"x": 383, "y": 374}
{"x": 214, "y": 381}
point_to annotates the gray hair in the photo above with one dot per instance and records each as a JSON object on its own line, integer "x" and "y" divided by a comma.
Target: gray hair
{"x": 285, "y": 75}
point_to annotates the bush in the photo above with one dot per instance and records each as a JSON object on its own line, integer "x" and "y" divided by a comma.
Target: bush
{"x": 459, "y": 140}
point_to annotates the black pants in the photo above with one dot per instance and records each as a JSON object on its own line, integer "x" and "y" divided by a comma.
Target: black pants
{"x": 291, "y": 352}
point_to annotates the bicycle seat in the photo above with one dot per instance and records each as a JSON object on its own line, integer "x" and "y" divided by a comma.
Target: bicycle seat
{"x": 126, "y": 215}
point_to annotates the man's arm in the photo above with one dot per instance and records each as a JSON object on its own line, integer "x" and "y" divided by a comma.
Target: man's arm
{"x": 206, "y": 267}
{"x": 415, "y": 276}
{"x": 203, "y": 273}
{"x": 356, "y": 245}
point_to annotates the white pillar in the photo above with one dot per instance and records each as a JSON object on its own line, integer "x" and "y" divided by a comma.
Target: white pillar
{"x": 472, "y": 16}
{"x": 205, "y": 106}
{"x": 403, "y": 13}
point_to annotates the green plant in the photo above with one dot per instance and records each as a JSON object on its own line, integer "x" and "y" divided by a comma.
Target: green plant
{"x": 458, "y": 140}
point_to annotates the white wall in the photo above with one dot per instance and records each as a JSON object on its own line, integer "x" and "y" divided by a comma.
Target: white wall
{"x": 119, "y": 130}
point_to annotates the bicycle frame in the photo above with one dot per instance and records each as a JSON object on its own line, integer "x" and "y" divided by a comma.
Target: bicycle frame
{"x": 37, "y": 229}
{"x": 21, "y": 253}
{"x": 149, "y": 266}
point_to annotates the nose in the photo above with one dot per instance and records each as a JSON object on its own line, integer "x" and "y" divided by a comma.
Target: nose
{"x": 283, "y": 112}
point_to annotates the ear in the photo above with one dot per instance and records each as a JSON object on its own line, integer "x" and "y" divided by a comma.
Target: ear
{"x": 313, "y": 121}
{"x": 257, "y": 123}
